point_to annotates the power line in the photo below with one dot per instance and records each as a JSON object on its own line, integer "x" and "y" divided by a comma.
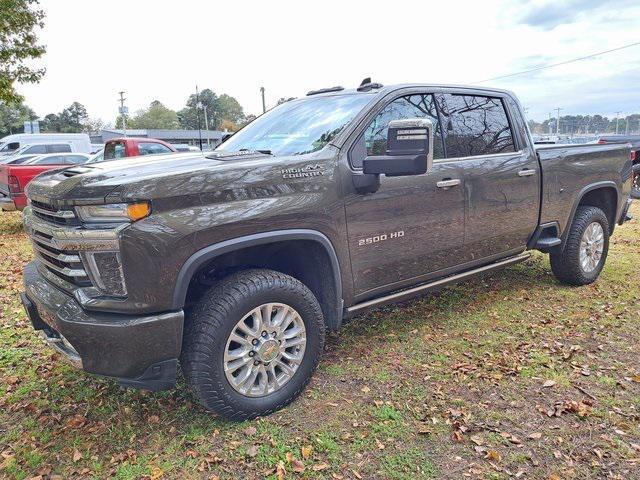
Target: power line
{"x": 560, "y": 63}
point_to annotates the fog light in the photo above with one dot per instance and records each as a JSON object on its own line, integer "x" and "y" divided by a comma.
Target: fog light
{"x": 105, "y": 272}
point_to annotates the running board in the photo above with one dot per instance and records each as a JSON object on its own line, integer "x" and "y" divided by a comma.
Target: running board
{"x": 411, "y": 292}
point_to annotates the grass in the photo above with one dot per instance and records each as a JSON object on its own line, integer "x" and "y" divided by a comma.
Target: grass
{"x": 512, "y": 373}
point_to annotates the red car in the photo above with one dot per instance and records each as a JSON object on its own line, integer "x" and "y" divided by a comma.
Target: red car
{"x": 14, "y": 177}
{"x": 134, "y": 146}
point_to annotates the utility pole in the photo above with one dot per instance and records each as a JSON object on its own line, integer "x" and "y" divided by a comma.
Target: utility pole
{"x": 550, "y": 116}
{"x": 206, "y": 127}
{"x": 617, "y": 120}
{"x": 198, "y": 107}
{"x": 264, "y": 105}
{"x": 123, "y": 113}
{"x": 558, "y": 121}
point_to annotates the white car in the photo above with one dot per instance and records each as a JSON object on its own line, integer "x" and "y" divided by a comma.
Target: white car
{"x": 58, "y": 159}
{"x": 67, "y": 142}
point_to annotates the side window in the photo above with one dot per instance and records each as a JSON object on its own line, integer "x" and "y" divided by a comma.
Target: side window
{"x": 53, "y": 160}
{"x": 36, "y": 149}
{"x": 9, "y": 147}
{"x": 475, "y": 125}
{"x": 152, "y": 148}
{"x": 114, "y": 150}
{"x": 75, "y": 159}
{"x": 60, "y": 148}
{"x": 411, "y": 106}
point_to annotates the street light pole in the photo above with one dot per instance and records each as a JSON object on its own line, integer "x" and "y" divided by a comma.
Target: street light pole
{"x": 264, "y": 105}
{"x": 558, "y": 121}
{"x": 122, "y": 113}
{"x": 198, "y": 107}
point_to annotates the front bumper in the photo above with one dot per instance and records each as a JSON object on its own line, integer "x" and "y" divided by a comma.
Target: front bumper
{"x": 139, "y": 351}
{"x": 6, "y": 203}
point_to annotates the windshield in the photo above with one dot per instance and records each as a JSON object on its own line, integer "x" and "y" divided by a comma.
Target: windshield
{"x": 298, "y": 126}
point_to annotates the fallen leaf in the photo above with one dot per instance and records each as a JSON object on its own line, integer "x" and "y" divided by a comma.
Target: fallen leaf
{"x": 76, "y": 421}
{"x": 280, "y": 470}
{"x": 306, "y": 451}
{"x": 252, "y": 451}
{"x": 535, "y": 435}
{"x": 318, "y": 467}
{"x": 77, "y": 456}
{"x": 297, "y": 466}
{"x": 250, "y": 431}
{"x": 548, "y": 384}
{"x": 154, "y": 419}
{"x": 156, "y": 473}
{"x": 476, "y": 439}
{"x": 493, "y": 455}
{"x": 365, "y": 389}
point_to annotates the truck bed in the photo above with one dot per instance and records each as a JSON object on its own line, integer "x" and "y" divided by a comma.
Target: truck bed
{"x": 566, "y": 169}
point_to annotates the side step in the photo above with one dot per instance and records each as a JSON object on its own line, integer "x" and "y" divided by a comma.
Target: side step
{"x": 547, "y": 242}
{"x": 412, "y": 292}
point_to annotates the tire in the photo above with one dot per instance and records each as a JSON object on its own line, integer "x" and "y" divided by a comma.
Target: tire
{"x": 566, "y": 264}
{"x": 635, "y": 187}
{"x": 225, "y": 309}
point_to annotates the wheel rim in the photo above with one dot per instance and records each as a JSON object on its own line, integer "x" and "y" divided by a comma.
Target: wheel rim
{"x": 265, "y": 349}
{"x": 591, "y": 247}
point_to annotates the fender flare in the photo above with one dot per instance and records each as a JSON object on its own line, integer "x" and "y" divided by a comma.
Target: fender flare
{"x": 580, "y": 196}
{"x": 199, "y": 258}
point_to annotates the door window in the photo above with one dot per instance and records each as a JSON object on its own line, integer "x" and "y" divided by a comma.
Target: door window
{"x": 60, "y": 148}
{"x": 410, "y": 106}
{"x": 152, "y": 148}
{"x": 114, "y": 150}
{"x": 475, "y": 125}
{"x": 36, "y": 149}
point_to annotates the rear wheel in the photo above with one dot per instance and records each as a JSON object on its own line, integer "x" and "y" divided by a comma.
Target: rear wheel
{"x": 252, "y": 343}
{"x": 585, "y": 252}
{"x": 635, "y": 188}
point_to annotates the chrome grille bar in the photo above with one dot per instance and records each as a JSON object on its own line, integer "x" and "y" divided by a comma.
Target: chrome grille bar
{"x": 61, "y": 257}
{"x": 69, "y": 272}
{"x": 53, "y": 213}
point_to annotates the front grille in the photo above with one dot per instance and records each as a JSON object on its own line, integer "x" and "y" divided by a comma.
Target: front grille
{"x": 65, "y": 264}
{"x": 50, "y": 214}
{"x": 67, "y": 249}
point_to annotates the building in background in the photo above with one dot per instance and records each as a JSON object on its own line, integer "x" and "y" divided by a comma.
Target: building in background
{"x": 190, "y": 137}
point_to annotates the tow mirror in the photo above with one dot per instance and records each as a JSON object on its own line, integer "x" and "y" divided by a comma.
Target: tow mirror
{"x": 409, "y": 149}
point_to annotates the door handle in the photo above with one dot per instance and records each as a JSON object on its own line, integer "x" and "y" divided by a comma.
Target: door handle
{"x": 527, "y": 172}
{"x": 448, "y": 183}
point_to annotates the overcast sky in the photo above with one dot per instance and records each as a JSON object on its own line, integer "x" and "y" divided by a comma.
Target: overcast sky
{"x": 162, "y": 49}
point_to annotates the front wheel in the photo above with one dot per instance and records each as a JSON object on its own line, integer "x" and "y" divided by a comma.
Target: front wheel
{"x": 586, "y": 248}
{"x": 252, "y": 343}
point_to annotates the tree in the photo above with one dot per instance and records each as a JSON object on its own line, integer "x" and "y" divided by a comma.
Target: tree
{"x": 18, "y": 44}
{"x": 155, "y": 117}
{"x": 223, "y": 107}
{"x": 50, "y": 123}
{"x": 73, "y": 118}
{"x": 12, "y": 117}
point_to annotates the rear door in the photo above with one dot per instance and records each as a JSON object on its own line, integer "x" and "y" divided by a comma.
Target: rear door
{"x": 410, "y": 227}
{"x": 501, "y": 172}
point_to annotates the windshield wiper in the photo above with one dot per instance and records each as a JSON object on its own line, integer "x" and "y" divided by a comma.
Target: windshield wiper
{"x": 266, "y": 152}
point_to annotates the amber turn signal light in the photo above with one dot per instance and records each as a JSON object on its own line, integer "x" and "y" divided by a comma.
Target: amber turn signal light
{"x": 138, "y": 211}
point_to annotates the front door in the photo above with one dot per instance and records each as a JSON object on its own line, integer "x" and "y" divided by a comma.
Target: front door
{"x": 413, "y": 225}
{"x": 501, "y": 179}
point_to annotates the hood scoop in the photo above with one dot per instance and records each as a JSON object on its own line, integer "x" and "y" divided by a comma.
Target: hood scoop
{"x": 73, "y": 171}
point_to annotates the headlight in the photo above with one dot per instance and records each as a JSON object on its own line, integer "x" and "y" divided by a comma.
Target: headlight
{"x": 114, "y": 212}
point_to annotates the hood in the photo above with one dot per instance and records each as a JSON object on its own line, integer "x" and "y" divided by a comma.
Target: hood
{"x": 162, "y": 177}
{"x": 145, "y": 177}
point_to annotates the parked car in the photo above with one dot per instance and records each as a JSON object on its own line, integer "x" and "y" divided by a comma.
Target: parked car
{"x": 236, "y": 263}
{"x": 634, "y": 141}
{"x": 133, "y": 147}
{"x": 16, "y": 159}
{"x": 78, "y": 142}
{"x": 15, "y": 177}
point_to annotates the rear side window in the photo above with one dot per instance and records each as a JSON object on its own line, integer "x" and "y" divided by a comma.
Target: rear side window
{"x": 75, "y": 159}
{"x": 54, "y": 160}
{"x": 475, "y": 125}
{"x": 147, "y": 148}
{"x": 411, "y": 106}
{"x": 58, "y": 148}
{"x": 36, "y": 149}
{"x": 114, "y": 150}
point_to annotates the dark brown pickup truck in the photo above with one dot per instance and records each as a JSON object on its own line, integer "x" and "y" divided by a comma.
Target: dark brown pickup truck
{"x": 234, "y": 264}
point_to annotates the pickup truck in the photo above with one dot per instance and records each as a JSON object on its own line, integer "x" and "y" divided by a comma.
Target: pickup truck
{"x": 234, "y": 264}
{"x": 15, "y": 176}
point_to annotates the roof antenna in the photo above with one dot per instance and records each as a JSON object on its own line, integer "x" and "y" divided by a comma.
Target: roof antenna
{"x": 367, "y": 85}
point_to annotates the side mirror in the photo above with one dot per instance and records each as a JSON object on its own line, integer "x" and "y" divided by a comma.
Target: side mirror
{"x": 409, "y": 149}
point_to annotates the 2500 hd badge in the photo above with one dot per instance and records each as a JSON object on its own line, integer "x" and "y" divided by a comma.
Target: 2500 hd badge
{"x": 314, "y": 170}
